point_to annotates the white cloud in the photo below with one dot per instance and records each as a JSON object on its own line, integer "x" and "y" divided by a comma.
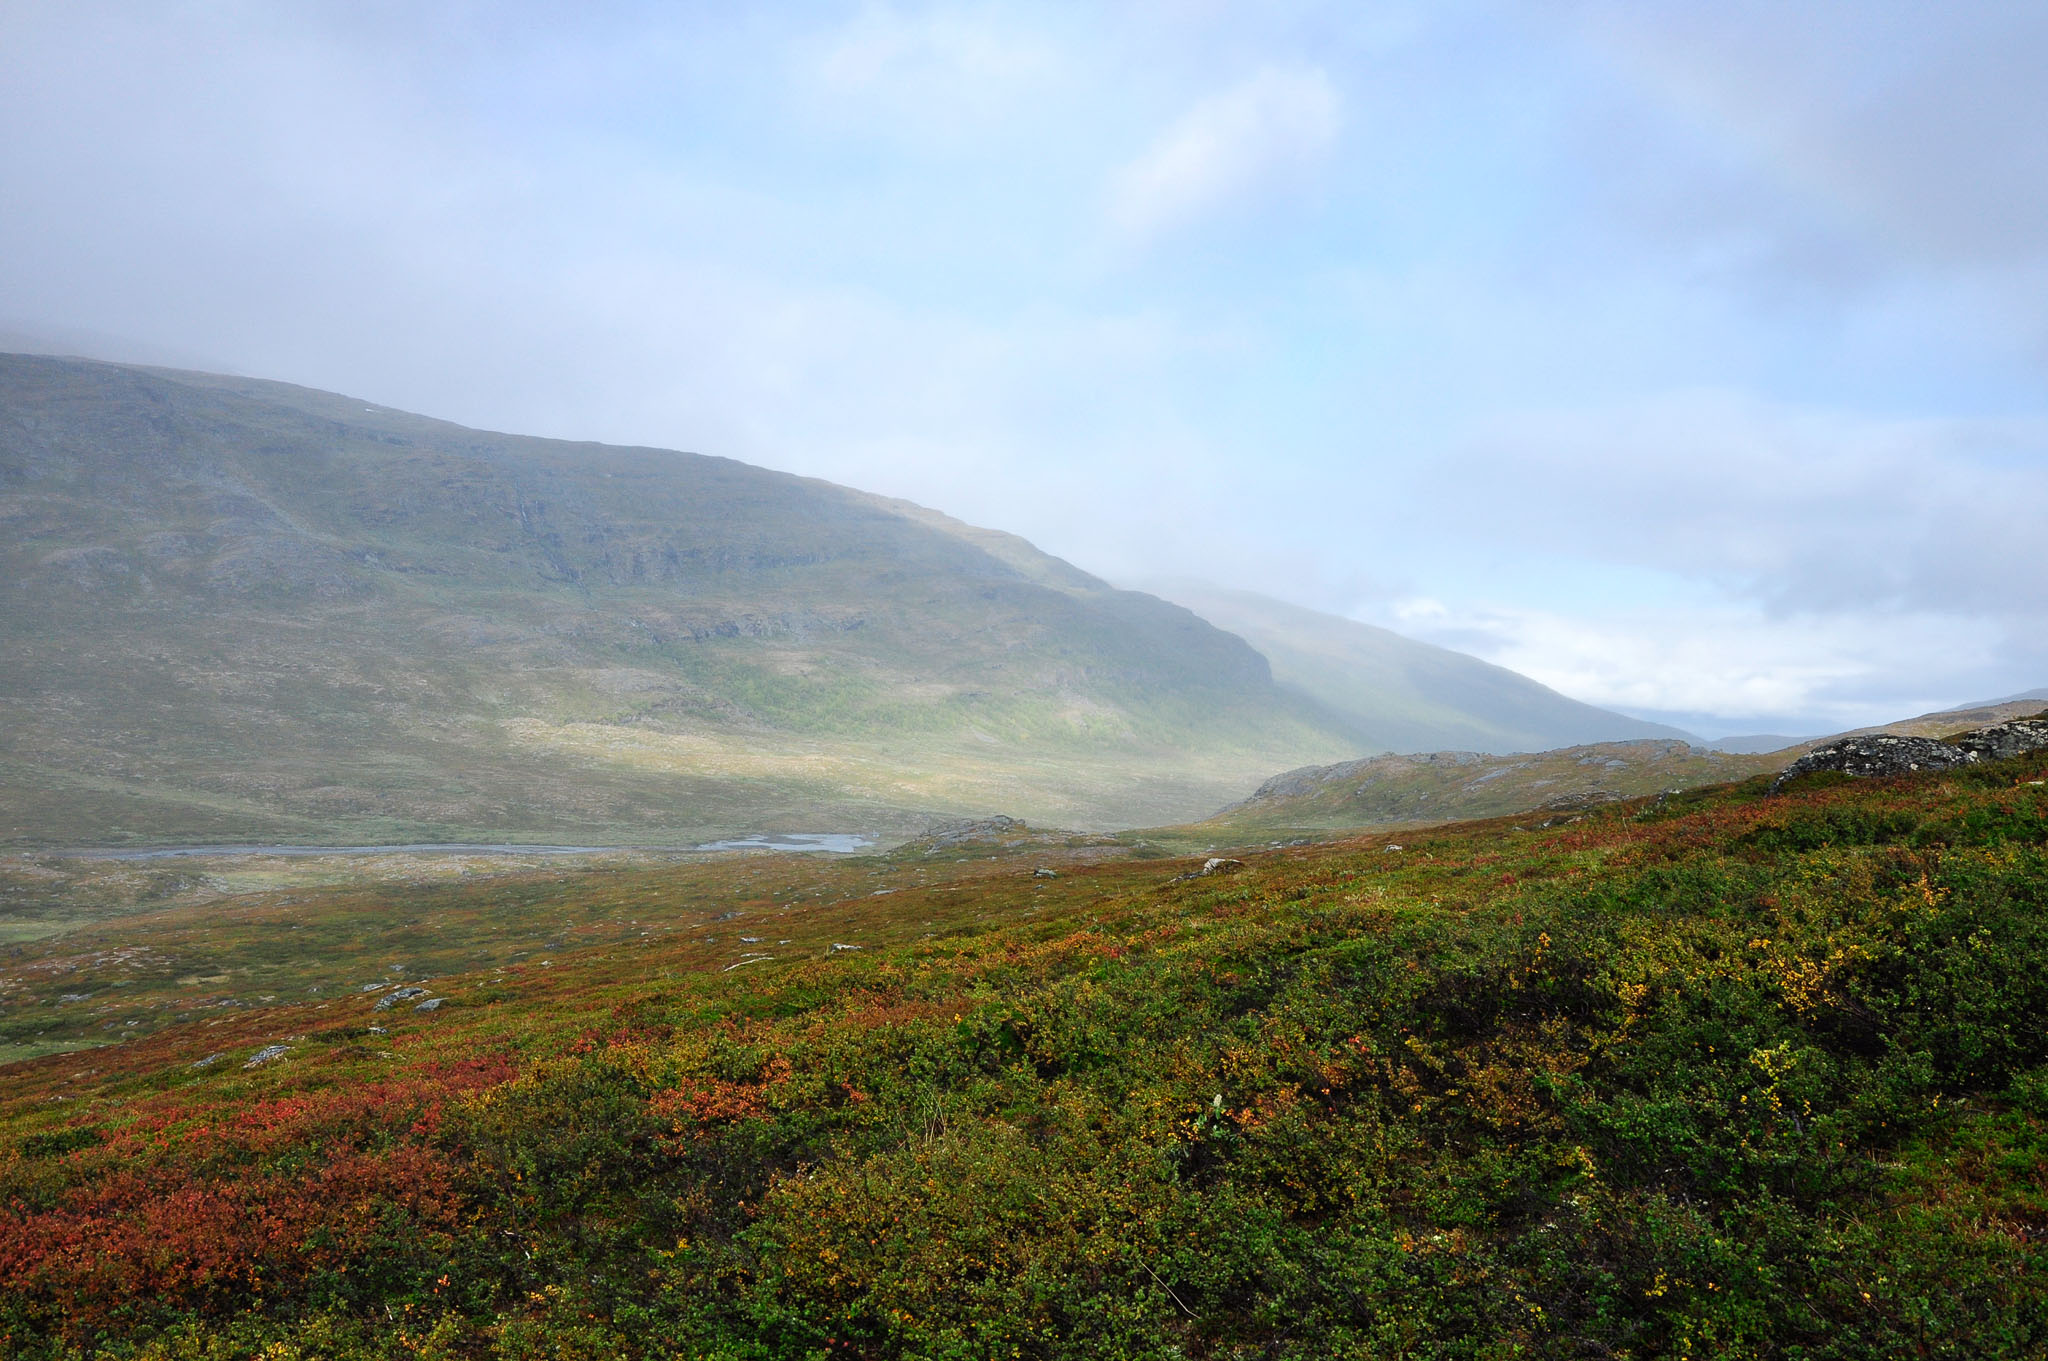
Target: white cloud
{"x": 1747, "y": 557}
{"x": 1248, "y": 140}
{"x": 1809, "y": 674}
{"x": 940, "y": 77}
{"x": 1798, "y": 507}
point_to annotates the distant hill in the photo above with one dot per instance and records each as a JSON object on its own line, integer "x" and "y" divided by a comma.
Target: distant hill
{"x": 1964, "y": 717}
{"x": 241, "y": 610}
{"x": 1443, "y": 786}
{"x": 1752, "y": 744}
{"x": 1397, "y": 694}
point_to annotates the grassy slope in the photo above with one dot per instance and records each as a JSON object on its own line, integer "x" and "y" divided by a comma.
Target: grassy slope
{"x": 1404, "y": 790}
{"x": 1404, "y": 696}
{"x": 1735, "y": 1076}
{"x": 242, "y": 610}
{"x": 1386, "y": 791}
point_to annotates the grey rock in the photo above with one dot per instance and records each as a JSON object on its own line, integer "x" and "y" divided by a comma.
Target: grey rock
{"x": 2004, "y": 740}
{"x": 269, "y": 1054}
{"x": 1587, "y": 798}
{"x": 1044, "y": 873}
{"x": 208, "y": 1061}
{"x": 431, "y": 1004}
{"x": 979, "y": 831}
{"x": 1880, "y": 753}
{"x": 397, "y": 995}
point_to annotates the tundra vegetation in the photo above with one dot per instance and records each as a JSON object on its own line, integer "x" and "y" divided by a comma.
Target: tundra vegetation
{"x": 1727, "y": 1075}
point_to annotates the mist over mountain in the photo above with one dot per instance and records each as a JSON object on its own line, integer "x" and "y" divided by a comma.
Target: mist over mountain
{"x": 1397, "y": 694}
{"x": 241, "y": 609}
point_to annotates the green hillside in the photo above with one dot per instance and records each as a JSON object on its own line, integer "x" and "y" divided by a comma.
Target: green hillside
{"x": 239, "y": 610}
{"x": 1397, "y": 694}
{"x": 1443, "y": 786}
{"x": 1731, "y": 1076}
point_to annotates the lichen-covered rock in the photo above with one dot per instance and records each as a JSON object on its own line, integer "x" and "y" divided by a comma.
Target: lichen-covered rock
{"x": 2003, "y": 740}
{"x": 268, "y": 1054}
{"x": 1883, "y": 753}
{"x": 397, "y": 995}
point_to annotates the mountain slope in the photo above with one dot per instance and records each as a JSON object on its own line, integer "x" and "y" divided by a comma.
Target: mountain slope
{"x": 1444, "y": 785}
{"x": 1397, "y": 694}
{"x": 245, "y": 610}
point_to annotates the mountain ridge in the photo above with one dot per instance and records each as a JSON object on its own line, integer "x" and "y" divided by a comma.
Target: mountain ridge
{"x": 1398, "y": 694}
{"x": 250, "y": 608}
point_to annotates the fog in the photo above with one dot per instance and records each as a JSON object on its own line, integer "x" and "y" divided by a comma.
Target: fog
{"x": 1690, "y": 359}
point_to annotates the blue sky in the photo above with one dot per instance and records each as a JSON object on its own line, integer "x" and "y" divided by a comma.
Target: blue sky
{"x": 1688, "y": 358}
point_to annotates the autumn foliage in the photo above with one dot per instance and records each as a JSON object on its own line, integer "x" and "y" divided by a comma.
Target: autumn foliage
{"x": 1732, "y": 1076}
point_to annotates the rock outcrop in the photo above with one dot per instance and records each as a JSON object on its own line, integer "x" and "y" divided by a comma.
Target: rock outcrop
{"x": 2002, "y": 740}
{"x": 1880, "y": 753}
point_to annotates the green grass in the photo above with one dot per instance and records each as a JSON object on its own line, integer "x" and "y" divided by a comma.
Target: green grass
{"x": 1727, "y": 1076}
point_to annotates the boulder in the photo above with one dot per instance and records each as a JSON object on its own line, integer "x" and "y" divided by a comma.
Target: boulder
{"x": 1882, "y": 753}
{"x": 2003, "y": 740}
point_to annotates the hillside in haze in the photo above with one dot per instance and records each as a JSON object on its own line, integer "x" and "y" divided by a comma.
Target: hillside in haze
{"x": 1397, "y": 694}
{"x": 249, "y": 611}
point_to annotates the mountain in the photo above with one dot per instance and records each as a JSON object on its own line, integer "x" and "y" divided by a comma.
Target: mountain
{"x": 1397, "y": 694}
{"x": 242, "y": 610}
{"x": 1755, "y": 744}
{"x": 1964, "y": 717}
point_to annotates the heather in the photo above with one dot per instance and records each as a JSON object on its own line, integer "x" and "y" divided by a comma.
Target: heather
{"x": 1721, "y": 1075}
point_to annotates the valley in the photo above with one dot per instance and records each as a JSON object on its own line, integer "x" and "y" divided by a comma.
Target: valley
{"x": 471, "y": 895}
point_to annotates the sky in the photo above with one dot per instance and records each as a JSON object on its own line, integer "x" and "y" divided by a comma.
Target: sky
{"x": 1692, "y": 359}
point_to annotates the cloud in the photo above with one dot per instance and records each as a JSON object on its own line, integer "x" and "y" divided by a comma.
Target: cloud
{"x": 1722, "y": 662}
{"x": 1922, "y": 131}
{"x": 1835, "y": 149}
{"x": 1551, "y": 310}
{"x": 1801, "y": 508}
{"x": 1763, "y": 558}
{"x": 1255, "y": 137}
{"x": 954, "y": 82}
